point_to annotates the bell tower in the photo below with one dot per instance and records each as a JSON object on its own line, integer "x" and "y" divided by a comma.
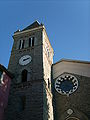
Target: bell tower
{"x": 30, "y": 62}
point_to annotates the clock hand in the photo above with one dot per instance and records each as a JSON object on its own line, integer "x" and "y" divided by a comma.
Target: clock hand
{"x": 25, "y": 59}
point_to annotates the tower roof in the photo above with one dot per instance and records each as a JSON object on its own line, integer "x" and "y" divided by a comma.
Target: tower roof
{"x": 33, "y": 25}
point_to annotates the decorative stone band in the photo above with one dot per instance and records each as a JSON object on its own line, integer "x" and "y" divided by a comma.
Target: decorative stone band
{"x": 72, "y": 118}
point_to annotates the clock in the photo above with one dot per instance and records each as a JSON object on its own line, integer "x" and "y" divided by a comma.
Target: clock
{"x": 24, "y": 60}
{"x": 66, "y": 84}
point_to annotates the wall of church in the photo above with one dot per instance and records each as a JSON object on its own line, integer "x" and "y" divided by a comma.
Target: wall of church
{"x": 75, "y": 67}
{"x": 29, "y": 93}
{"x": 76, "y": 105}
{"x": 35, "y": 67}
{"x": 47, "y": 63}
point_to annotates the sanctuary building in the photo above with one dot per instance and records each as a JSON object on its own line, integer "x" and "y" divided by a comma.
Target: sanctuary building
{"x": 41, "y": 90}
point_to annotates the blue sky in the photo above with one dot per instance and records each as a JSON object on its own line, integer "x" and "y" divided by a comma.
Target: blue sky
{"x": 67, "y": 24}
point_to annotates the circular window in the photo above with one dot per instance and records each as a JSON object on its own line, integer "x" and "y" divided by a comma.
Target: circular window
{"x": 66, "y": 84}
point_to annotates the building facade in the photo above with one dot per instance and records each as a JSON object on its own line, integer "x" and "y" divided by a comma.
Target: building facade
{"x": 71, "y": 79}
{"x": 5, "y": 80}
{"x": 41, "y": 90}
{"x": 30, "y": 63}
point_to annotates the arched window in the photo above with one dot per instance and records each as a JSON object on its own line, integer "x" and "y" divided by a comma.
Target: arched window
{"x": 21, "y": 44}
{"x": 31, "y": 41}
{"x": 24, "y": 75}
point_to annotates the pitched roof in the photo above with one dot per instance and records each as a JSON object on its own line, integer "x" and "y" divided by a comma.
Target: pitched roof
{"x": 2, "y": 68}
{"x": 33, "y": 25}
{"x": 75, "y": 61}
{"x": 77, "y": 67}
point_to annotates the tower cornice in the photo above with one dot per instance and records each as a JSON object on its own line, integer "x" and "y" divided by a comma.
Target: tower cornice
{"x": 29, "y": 30}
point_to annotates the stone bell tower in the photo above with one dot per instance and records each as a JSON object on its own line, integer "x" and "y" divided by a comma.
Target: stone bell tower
{"x": 30, "y": 62}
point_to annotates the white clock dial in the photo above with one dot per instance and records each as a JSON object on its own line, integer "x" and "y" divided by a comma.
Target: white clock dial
{"x": 25, "y": 60}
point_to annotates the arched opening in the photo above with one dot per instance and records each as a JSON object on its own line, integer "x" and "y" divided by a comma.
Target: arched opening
{"x": 72, "y": 118}
{"x": 24, "y": 75}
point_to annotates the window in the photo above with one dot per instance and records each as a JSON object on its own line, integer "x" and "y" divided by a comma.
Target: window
{"x": 24, "y": 75}
{"x": 31, "y": 41}
{"x": 48, "y": 83}
{"x": 21, "y": 44}
{"x": 23, "y": 102}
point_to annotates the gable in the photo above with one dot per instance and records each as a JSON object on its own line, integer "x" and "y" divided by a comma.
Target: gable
{"x": 75, "y": 67}
{"x": 33, "y": 25}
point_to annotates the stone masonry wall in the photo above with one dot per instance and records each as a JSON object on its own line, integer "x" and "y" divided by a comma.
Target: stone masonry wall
{"x": 78, "y": 102}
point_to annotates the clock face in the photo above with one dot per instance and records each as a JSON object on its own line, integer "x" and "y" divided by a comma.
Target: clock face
{"x": 25, "y": 60}
{"x": 66, "y": 84}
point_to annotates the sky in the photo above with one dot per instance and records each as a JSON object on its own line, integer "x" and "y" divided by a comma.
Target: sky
{"x": 67, "y": 23}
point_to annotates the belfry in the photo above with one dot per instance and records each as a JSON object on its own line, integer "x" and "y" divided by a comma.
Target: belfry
{"x": 41, "y": 90}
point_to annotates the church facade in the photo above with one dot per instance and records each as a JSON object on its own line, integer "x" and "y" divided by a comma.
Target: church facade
{"x": 71, "y": 79}
{"x": 41, "y": 90}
